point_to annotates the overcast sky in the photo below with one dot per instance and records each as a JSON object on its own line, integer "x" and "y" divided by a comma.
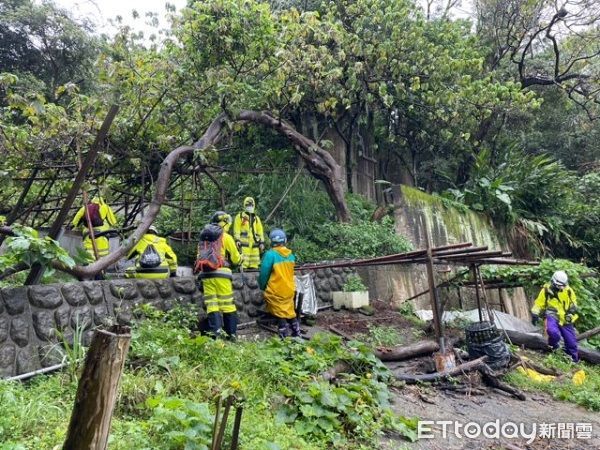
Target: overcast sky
{"x": 101, "y": 11}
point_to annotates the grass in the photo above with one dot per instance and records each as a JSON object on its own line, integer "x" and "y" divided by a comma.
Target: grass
{"x": 562, "y": 387}
{"x": 172, "y": 379}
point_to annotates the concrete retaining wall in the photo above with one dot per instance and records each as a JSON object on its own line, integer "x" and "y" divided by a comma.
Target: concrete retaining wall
{"x": 413, "y": 211}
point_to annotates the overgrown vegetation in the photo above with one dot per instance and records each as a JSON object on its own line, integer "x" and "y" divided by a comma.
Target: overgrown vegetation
{"x": 563, "y": 388}
{"x": 173, "y": 378}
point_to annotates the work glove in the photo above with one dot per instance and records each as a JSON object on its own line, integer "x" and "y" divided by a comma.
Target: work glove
{"x": 569, "y": 318}
{"x": 238, "y": 244}
{"x": 261, "y": 247}
{"x": 535, "y": 319}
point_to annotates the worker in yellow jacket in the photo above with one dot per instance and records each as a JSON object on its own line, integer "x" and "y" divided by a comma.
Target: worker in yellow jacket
{"x": 276, "y": 279}
{"x": 154, "y": 257}
{"x": 101, "y": 219}
{"x": 556, "y": 303}
{"x": 217, "y": 253}
{"x": 249, "y": 234}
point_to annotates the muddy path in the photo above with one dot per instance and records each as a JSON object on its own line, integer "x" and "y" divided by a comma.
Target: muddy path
{"x": 428, "y": 403}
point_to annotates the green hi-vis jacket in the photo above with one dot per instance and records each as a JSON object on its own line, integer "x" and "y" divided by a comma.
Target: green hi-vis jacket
{"x": 556, "y": 304}
{"x": 276, "y": 279}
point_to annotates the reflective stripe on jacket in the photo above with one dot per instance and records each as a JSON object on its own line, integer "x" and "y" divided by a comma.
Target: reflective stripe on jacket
{"x": 556, "y": 304}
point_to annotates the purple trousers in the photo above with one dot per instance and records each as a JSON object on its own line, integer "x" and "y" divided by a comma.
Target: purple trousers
{"x": 555, "y": 331}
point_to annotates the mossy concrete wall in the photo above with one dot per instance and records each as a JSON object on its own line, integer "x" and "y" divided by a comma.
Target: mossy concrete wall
{"x": 34, "y": 320}
{"x": 413, "y": 211}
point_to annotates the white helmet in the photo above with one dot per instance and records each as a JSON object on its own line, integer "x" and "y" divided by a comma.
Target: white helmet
{"x": 559, "y": 279}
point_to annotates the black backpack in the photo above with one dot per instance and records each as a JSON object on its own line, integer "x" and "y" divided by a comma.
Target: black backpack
{"x": 150, "y": 258}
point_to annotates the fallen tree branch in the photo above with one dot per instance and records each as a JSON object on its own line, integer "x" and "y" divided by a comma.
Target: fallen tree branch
{"x": 402, "y": 353}
{"x": 458, "y": 370}
{"x": 588, "y": 334}
{"x": 488, "y": 377}
{"x": 534, "y": 341}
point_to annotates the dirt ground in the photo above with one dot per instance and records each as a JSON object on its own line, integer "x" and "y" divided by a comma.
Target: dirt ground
{"x": 430, "y": 403}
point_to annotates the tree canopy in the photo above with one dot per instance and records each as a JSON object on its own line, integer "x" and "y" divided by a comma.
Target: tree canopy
{"x": 497, "y": 112}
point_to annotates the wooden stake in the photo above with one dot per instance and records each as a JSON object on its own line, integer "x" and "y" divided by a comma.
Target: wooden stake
{"x": 97, "y": 390}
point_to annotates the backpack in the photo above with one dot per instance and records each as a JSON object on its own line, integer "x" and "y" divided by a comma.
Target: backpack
{"x": 150, "y": 258}
{"x": 93, "y": 211}
{"x": 210, "y": 247}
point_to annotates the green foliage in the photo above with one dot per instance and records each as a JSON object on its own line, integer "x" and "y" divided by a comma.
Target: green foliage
{"x": 171, "y": 380}
{"x": 362, "y": 238}
{"x": 563, "y": 388}
{"x": 177, "y": 423}
{"x": 582, "y": 279}
{"x": 27, "y": 247}
{"x": 354, "y": 284}
{"x": 382, "y": 336}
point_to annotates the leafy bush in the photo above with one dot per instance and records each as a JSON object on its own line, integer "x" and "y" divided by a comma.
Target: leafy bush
{"x": 354, "y": 284}
{"x": 27, "y": 247}
{"x": 359, "y": 239}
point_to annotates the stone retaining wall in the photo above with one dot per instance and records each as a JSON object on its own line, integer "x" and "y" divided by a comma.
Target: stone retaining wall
{"x": 31, "y": 315}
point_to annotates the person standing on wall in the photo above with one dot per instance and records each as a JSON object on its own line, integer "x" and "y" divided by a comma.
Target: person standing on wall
{"x": 98, "y": 217}
{"x": 249, "y": 235}
{"x": 276, "y": 279}
{"x": 217, "y": 253}
{"x": 556, "y": 303}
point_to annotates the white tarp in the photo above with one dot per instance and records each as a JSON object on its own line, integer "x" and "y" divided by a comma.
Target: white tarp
{"x": 501, "y": 319}
{"x": 306, "y": 286}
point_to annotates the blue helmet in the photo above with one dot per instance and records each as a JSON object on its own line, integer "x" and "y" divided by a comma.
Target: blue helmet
{"x": 278, "y": 236}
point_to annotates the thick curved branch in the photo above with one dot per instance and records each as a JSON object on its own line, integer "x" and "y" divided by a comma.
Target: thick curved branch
{"x": 319, "y": 162}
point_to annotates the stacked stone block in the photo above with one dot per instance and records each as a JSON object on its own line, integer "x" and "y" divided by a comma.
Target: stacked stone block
{"x": 36, "y": 320}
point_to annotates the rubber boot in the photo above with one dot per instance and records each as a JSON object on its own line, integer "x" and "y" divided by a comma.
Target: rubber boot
{"x": 295, "y": 326}
{"x": 282, "y": 328}
{"x": 230, "y": 321}
{"x": 214, "y": 320}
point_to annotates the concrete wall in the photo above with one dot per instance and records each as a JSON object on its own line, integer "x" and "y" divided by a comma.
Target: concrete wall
{"x": 31, "y": 315}
{"x": 413, "y": 211}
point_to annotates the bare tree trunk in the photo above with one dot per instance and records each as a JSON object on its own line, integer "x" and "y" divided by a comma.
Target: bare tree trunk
{"x": 537, "y": 342}
{"x": 97, "y": 391}
{"x": 408, "y": 351}
{"x": 458, "y": 370}
{"x": 319, "y": 162}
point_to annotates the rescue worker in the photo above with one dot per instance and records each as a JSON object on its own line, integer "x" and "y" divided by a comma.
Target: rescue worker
{"x": 102, "y": 220}
{"x": 216, "y": 282}
{"x": 167, "y": 266}
{"x": 249, "y": 235}
{"x": 556, "y": 303}
{"x": 276, "y": 279}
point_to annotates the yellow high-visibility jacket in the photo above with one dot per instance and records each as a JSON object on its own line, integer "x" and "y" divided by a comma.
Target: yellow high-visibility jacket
{"x": 556, "y": 304}
{"x": 106, "y": 214}
{"x": 110, "y": 221}
{"x": 248, "y": 229}
{"x": 168, "y": 263}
